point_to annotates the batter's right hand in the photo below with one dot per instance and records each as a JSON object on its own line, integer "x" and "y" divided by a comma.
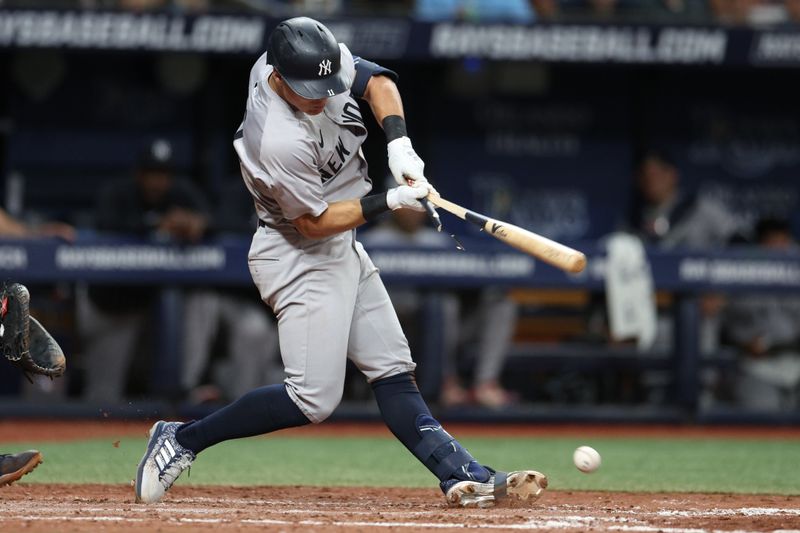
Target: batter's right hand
{"x": 406, "y": 197}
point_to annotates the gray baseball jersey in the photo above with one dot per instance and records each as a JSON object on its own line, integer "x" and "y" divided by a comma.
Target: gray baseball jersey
{"x": 326, "y": 293}
{"x": 293, "y": 163}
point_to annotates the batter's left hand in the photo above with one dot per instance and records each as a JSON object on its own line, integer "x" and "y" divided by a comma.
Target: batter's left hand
{"x": 406, "y": 166}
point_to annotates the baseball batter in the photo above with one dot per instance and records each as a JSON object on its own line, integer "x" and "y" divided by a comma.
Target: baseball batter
{"x": 300, "y": 152}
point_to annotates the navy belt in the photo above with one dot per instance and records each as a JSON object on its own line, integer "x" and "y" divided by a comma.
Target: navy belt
{"x": 262, "y": 224}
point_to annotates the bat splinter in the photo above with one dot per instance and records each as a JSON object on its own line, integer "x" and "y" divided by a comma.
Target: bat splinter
{"x": 432, "y": 214}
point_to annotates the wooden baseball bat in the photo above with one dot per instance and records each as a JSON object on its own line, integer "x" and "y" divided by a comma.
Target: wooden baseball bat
{"x": 549, "y": 251}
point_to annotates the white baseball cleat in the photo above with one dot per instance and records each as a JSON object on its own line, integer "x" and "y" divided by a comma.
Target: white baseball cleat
{"x": 524, "y": 484}
{"x": 162, "y": 463}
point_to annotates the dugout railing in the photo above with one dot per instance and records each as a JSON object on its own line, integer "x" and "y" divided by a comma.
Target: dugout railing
{"x": 685, "y": 276}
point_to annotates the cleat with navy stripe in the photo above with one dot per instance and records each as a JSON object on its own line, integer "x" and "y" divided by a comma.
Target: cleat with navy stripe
{"x": 163, "y": 462}
{"x": 522, "y": 484}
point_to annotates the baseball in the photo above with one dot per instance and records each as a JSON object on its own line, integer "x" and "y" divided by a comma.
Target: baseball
{"x": 586, "y": 459}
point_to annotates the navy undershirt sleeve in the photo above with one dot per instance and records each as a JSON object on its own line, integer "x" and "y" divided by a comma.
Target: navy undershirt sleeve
{"x": 364, "y": 71}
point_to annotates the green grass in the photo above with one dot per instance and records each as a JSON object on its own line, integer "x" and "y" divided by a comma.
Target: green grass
{"x": 684, "y": 465}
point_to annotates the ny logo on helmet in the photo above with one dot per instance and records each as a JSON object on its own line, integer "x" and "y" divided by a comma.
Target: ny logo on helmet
{"x": 324, "y": 67}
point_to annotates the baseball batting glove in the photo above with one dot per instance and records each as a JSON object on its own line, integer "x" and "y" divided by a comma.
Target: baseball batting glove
{"x": 406, "y": 166}
{"x": 23, "y": 340}
{"x": 406, "y": 197}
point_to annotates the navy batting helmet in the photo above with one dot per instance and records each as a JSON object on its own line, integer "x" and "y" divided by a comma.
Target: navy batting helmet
{"x": 307, "y": 56}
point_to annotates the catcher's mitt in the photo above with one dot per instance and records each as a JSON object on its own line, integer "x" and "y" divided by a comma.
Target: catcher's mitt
{"x": 23, "y": 340}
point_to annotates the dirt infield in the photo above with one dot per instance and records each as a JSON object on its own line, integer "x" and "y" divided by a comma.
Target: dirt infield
{"x": 45, "y": 508}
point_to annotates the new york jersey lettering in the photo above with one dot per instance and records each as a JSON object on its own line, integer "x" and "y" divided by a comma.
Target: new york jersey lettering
{"x": 351, "y": 114}
{"x": 335, "y": 163}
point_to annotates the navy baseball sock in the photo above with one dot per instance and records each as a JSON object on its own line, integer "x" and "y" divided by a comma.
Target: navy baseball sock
{"x": 259, "y": 411}
{"x": 408, "y": 417}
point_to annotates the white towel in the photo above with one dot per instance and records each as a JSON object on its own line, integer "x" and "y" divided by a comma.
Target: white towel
{"x": 629, "y": 291}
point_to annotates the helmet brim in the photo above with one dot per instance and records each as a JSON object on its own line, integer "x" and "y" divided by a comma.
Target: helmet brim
{"x": 314, "y": 89}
